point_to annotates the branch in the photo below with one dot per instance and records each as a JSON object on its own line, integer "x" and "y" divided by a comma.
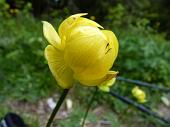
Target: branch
{"x": 138, "y": 106}
{"x": 144, "y": 84}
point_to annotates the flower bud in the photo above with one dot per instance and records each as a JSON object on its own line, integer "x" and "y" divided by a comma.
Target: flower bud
{"x": 81, "y": 51}
{"x": 139, "y": 94}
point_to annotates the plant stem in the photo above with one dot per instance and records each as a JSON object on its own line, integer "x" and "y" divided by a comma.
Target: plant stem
{"x": 144, "y": 84}
{"x": 60, "y": 101}
{"x": 88, "y": 107}
{"x": 139, "y": 106}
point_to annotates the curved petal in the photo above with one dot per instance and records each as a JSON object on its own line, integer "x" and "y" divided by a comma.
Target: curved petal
{"x": 67, "y": 23}
{"x": 75, "y": 21}
{"x": 112, "y": 40}
{"x": 98, "y": 67}
{"x": 51, "y": 35}
{"x": 103, "y": 83}
{"x": 108, "y": 81}
{"x": 60, "y": 71}
{"x": 85, "y": 48}
{"x": 87, "y": 22}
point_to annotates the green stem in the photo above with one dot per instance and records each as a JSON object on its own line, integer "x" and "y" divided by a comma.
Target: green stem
{"x": 60, "y": 101}
{"x": 88, "y": 108}
{"x": 144, "y": 84}
{"x": 139, "y": 106}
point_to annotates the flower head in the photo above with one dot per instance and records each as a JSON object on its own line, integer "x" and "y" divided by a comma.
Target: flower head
{"x": 139, "y": 94}
{"x": 81, "y": 51}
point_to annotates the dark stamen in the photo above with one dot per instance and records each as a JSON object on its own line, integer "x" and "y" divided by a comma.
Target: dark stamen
{"x": 108, "y": 50}
{"x": 107, "y": 45}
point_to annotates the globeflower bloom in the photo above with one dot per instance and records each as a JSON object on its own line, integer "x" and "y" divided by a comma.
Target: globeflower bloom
{"x": 81, "y": 51}
{"x": 139, "y": 94}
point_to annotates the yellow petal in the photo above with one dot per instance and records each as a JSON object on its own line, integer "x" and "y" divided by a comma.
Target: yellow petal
{"x": 110, "y": 53}
{"x": 62, "y": 73}
{"x": 112, "y": 40}
{"x": 75, "y": 21}
{"x": 86, "y": 22}
{"x": 104, "y": 82}
{"x": 84, "y": 49}
{"x": 98, "y": 61}
{"x": 51, "y": 35}
{"x": 139, "y": 94}
{"x": 67, "y": 23}
{"x": 105, "y": 86}
{"x": 108, "y": 81}
{"x": 81, "y": 22}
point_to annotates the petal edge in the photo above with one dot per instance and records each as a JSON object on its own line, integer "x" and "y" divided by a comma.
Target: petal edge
{"x": 51, "y": 35}
{"x": 60, "y": 71}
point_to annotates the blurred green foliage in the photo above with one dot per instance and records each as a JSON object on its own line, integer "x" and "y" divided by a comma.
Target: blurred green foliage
{"x": 23, "y": 67}
{"x": 144, "y": 57}
{"x": 121, "y": 12}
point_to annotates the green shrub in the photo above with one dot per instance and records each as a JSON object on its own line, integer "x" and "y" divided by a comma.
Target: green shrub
{"x": 24, "y": 72}
{"x": 144, "y": 56}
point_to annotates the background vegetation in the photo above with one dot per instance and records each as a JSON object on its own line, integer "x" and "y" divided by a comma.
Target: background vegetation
{"x": 143, "y": 30}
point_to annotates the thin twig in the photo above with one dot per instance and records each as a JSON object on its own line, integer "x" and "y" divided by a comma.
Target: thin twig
{"x": 139, "y": 106}
{"x": 60, "y": 101}
{"x": 144, "y": 84}
{"x": 88, "y": 106}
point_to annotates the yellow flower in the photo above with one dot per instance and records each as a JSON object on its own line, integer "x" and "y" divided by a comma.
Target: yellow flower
{"x": 139, "y": 94}
{"x": 81, "y": 51}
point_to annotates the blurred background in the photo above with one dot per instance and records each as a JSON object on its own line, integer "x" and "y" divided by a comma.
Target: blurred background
{"x": 28, "y": 88}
